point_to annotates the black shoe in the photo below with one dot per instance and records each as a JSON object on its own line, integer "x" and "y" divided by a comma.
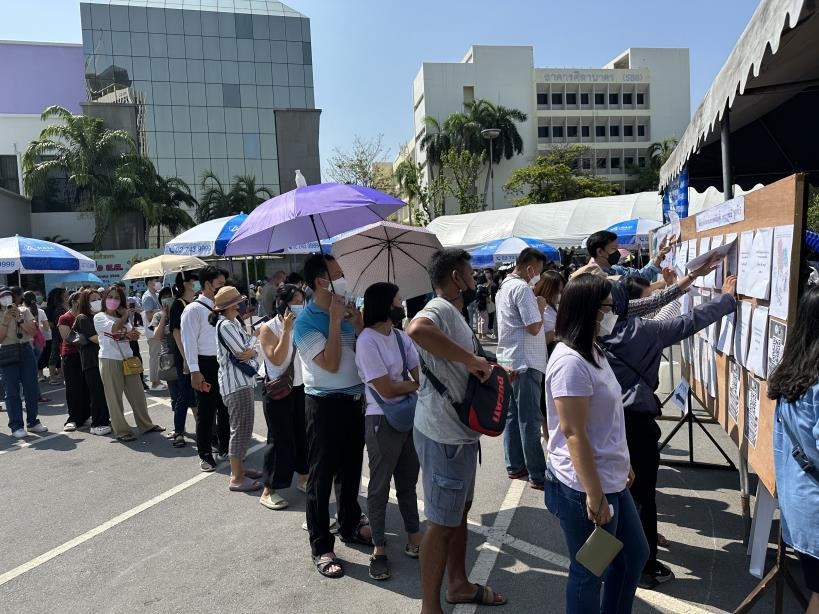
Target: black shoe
{"x": 379, "y": 567}
{"x": 660, "y": 575}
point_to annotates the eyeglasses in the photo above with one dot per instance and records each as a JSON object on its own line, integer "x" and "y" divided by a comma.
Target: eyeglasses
{"x": 607, "y": 304}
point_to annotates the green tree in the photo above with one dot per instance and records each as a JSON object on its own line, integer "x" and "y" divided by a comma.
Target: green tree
{"x": 647, "y": 178}
{"x": 813, "y": 209}
{"x": 83, "y": 150}
{"x": 460, "y": 170}
{"x": 218, "y": 200}
{"x": 435, "y": 142}
{"x": 555, "y": 177}
{"x": 408, "y": 177}
{"x": 362, "y": 165}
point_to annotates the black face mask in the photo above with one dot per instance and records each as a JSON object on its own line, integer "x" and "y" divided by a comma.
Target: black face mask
{"x": 397, "y": 315}
{"x": 469, "y": 295}
{"x": 614, "y": 258}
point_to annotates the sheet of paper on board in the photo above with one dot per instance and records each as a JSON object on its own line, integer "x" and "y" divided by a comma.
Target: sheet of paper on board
{"x": 760, "y": 264}
{"x": 746, "y": 244}
{"x": 742, "y": 332}
{"x": 757, "y": 360}
{"x": 781, "y": 271}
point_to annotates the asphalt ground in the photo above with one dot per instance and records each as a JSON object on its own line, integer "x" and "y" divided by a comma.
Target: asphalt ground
{"x": 93, "y": 525}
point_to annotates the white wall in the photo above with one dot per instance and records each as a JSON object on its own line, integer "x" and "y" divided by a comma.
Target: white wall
{"x": 670, "y": 89}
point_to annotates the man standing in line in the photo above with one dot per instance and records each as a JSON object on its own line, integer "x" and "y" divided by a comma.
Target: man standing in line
{"x": 324, "y": 335}
{"x": 605, "y": 251}
{"x": 522, "y": 344}
{"x": 150, "y": 305}
{"x": 199, "y": 343}
{"x": 447, "y": 448}
{"x": 269, "y": 292}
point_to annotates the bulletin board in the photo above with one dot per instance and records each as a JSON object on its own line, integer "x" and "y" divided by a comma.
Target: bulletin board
{"x": 725, "y": 383}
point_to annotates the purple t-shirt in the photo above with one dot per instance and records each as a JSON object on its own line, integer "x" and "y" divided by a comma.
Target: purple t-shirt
{"x": 377, "y": 355}
{"x": 571, "y": 375}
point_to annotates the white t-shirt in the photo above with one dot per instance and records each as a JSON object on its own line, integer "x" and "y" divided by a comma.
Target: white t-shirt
{"x": 571, "y": 375}
{"x": 103, "y": 323}
{"x": 275, "y": 325}
{"x": 42, "y": 317}
{"x": 378, "y": 355}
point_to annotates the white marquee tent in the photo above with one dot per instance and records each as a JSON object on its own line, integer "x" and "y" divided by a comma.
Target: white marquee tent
{"x": 563, "y": 224}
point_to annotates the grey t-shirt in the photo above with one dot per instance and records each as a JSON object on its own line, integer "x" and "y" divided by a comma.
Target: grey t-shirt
{"x": 434, "y": 416}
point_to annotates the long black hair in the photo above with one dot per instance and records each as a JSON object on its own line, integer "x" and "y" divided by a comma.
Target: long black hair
{"x": 576, "y": 324}
{"x": 55, "y": 300}
{"x": 378, "y": 300}
{"x": 799, "y": 369}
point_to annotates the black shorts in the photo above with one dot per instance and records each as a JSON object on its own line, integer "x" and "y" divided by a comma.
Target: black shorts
{"x": 810, "y": 568}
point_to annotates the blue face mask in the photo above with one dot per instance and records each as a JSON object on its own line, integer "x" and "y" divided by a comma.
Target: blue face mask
{"x": 197, "y": 287}
{"x": 296, "y": 309}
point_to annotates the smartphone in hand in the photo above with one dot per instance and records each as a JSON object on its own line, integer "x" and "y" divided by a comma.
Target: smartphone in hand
{"x": 205, "y": 387}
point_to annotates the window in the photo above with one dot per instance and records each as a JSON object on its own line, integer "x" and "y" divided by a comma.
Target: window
{"x": 641, "y": 162}
{"x": 586, "y": 164}
{"x": 244, "y": 25}
{"x": 8, "y": 174}
{"x": 601, "y": 162}
{"x": 614, "y": 98}
{"x": 543, "y": 99}
{"x": 641, "y": 98}
{"x": 557, "y": 132}
{"x": 231, "y": 95}
{"x": 585, "y": 131}
{"x": 571, "y": 98}
{"x": 584, "y": 99}
{"x": 641, "y": 130}
{"x": 615, "y": 162}
{"x": 600, "y": 99}
{"x": 543, "y": 132}
{"x": 469, "y": 90}
{"x": 628, "y": 99}
{"x": 614, "y": 130}
{"x": 629, "y": 161}
{"x": 628, "y": 130}
{"x": 571, "y": 132}
{"x": 599, "y": 131}
{"x": 557, "y": 98}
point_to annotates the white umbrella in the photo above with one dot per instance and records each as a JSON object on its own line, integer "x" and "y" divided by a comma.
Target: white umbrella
{"x": 37, "y": 256}
{"x": 160, "y": 266}
{"x": 385, "y": 251}
{"x": 206, "y": 239}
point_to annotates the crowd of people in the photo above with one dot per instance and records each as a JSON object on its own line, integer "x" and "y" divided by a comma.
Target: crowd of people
{"x": 581, "y": 348}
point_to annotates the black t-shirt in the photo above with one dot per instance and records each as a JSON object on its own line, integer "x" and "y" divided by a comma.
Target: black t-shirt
{"x": 89, "y": 352}
{"x": 175, "y": 321}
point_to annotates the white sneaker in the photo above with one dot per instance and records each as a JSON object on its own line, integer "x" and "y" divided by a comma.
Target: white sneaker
{"x": 38, "y": 428}
{"x": 20, "y": 433}
{"x": 70, "y": 427}
{"x": 100, "y": 430}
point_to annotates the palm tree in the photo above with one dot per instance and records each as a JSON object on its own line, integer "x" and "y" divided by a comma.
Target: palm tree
{"x": 658, "y": 153}
{"x": 436, "y": 142}
{"x": 407, "y": 176}
{"x": 81, "y": 148}
{"x": 242, "y": 196}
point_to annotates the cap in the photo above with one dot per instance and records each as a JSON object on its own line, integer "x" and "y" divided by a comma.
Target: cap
{"x": 227, "y": 296}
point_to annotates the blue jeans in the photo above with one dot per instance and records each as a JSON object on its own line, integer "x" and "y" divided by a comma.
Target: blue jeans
{"x": 181, "y": 395}
{"x": 521, "y": 437}
{"x": 22, "y": 373}
{"x": 583, "y": 587}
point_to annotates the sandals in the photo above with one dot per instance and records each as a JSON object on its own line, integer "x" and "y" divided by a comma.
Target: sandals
{"x": 179, "y": 441}
{"x": 247, "y": 485}
{"x": 154, "y": 429}
{"x": 412, "y": 550}
{"x": 379, "y": 567}
{"x": 126, "y": 438}
{"x": 274, "y": 501}
{"x": 357, "y": 537}
{"x": 323, "y": 563}
{"x": 483, "y": 596}
{"x": 662, "y": 541}
{"x": 252, "y": 474}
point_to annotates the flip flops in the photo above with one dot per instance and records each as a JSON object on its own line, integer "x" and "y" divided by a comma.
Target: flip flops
{"x": 154, "y": 429}
{"x": 126, "y": 438}
{"x": 247, "y": 485}
{"x": 274, "y": 501}
{"x": 483, "y": 596}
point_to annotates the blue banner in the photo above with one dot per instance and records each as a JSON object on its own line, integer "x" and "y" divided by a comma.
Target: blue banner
{"x": 675, "y": 197}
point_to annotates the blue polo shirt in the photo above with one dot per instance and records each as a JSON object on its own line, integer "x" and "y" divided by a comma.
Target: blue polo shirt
{"x": 310, "y": 336}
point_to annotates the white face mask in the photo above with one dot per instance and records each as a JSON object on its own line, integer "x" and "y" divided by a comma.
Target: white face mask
{"x": 296, "y": 309}
{"x": 6, "y": 300}
{"x": 339, "y": 286}
{"x": 96, "y": 306}
{"x": 533, "y": 282}
{"x": 607, "y": 323}
{"x": 557, "y": 300}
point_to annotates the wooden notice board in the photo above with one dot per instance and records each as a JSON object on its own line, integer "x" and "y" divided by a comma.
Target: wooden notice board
{"x": 780, "y": 204}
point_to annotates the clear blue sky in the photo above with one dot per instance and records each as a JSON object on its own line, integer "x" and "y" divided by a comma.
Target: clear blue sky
{"x": 367, "y": 52}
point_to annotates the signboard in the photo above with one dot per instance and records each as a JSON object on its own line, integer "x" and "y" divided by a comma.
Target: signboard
{"x": 112, "y": 265}
{"x": 675, "y": 197}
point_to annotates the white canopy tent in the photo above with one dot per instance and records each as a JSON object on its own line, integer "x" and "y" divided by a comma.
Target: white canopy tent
{"x": 563, "y": 224}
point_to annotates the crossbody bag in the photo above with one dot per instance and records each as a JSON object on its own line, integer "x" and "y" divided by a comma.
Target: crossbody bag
{"x": 246, "y": 368}
{"x": 400, "y": 415}
{"x": 131, "y": 365}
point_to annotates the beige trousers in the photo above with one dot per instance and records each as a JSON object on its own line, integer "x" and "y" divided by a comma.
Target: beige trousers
{"x": 115, "y": 383}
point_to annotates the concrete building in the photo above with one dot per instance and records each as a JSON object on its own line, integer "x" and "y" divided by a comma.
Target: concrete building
{"x": 219, "y": 86}
{"x": 640, "y": 97}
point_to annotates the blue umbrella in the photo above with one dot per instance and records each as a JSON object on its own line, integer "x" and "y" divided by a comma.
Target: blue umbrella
{"x": 76, "y": 277}
{"x": 634, "y": 233}
{"x": 37, "y": 256}
{"x": 502, "y": 251}
{"x": 206, "y": 239}
{"x": 812, "y": 239}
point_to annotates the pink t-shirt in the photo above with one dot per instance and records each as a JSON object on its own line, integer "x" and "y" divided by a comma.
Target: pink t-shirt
{"x": 571, "y": 375}
{"x": 377, "y": 355}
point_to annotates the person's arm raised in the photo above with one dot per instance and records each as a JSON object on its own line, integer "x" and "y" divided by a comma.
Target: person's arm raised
{"x": 330, "y": 358}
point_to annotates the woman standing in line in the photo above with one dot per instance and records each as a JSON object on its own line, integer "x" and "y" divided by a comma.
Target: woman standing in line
{"x": 237, "y": 379}
{"x": 115, "y": 332}
{"x": 795, "y": 387}
{"x": 38, "y": 340}
{"x": 388, "y": 363}
{"x": 286, "y": 433}
{"x": 588, "y": 471}
{"x": 159, "y": 326}
{"x": 90, "y": 304}
{"x": 184, "y": 289}
{"x": 77, "y": 399}
{"x": 550, "y": 287}
{"x": 54, "y": 309}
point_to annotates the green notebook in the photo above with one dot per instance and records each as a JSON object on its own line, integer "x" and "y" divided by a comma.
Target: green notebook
{"x": 599, "y": 551}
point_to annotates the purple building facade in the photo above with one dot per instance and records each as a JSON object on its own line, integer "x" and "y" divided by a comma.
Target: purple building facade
{"x": 37, "y": 75}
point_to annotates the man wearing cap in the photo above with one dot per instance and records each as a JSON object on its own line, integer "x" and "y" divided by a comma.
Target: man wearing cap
{"x": 150, "y": 305}
{"x": 18, "y": 364}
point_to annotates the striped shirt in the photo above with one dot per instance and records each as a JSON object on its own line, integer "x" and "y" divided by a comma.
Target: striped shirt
{"x": 231, "y": 378}
{"x": 310, "y": 336}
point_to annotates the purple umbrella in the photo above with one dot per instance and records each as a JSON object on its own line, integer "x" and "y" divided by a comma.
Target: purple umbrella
{"x": 309, "y": 213}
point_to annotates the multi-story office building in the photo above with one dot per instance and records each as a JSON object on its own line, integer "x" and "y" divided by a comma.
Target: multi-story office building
{"x": 640, "y": 97}
{"x": 219, "y": 85}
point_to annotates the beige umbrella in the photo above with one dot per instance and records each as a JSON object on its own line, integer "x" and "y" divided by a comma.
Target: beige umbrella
{"x": 164, "y": 265}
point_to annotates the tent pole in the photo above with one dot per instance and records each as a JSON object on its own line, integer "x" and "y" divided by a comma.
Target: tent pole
{"x": 725, "y": 142}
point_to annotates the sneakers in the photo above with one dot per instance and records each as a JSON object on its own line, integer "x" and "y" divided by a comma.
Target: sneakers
{"x": 207, "y": 465}
{"x": 220, "y": 458}
{"x": 100, "y": 430}
{"x": 70, "y": 427}
{"x": 38, "y": 428}
{"x": 660, "y": 575}
{"x": 20, "y": 433}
